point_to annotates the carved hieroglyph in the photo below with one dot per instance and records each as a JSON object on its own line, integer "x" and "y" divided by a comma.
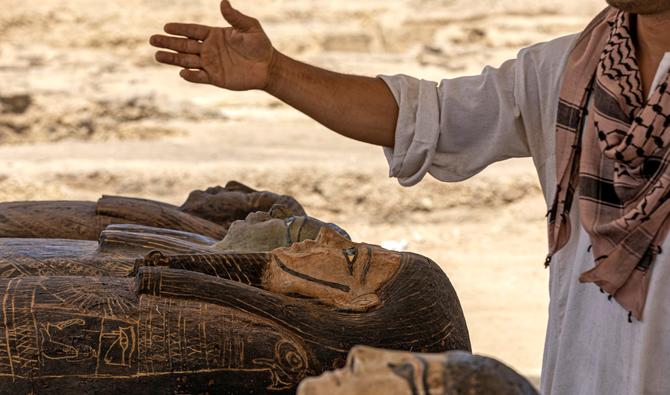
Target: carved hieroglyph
{"x": 208, "y": 213}
{"x": 223, "y": 323}
{"x": 371, "y": 371}
{"x": 97, "y": 335}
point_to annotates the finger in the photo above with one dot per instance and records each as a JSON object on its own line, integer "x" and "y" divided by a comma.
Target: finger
{"x": 179, "y": 59}
{"x": 196, "y": 76}
{"x": 190, "y": 30}
{"x": 237, "y": 19}
{"x": 182, "y": 45}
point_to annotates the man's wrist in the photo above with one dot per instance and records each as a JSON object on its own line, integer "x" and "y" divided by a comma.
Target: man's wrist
{"x": 273, "y": 72}
{"x": 276, "y": 71}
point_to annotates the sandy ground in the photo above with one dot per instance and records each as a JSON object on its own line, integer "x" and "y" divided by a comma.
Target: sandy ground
{"x": 84, "y": 111}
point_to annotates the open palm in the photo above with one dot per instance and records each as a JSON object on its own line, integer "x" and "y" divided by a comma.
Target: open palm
{"x": 235, "y": 58}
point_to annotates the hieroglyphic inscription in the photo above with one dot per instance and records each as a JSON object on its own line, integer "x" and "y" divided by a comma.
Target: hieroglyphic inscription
{"x": 20, "y": 331}
{"x": 85, "y": 345}
{"x": 100, "y": 328}
{"x": 182, "y": 336}
{"x": 61, "y": 328}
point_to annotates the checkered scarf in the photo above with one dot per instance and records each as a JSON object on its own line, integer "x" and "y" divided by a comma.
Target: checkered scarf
{"x": 617, "y": 157}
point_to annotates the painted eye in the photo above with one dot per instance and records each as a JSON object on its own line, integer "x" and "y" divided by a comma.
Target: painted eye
{"x": 350, "y": 254}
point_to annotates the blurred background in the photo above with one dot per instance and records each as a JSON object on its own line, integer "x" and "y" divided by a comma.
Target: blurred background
{"x": 85, "y": 111}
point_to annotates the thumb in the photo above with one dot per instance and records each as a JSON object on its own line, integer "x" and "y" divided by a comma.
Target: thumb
{"x": 237, "y": 19}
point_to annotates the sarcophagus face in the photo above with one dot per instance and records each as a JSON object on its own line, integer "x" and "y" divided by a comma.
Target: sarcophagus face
{"x": 371, "y": 371}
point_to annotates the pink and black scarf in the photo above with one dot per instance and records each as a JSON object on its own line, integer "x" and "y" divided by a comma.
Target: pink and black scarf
{"x": 612, "y": 143}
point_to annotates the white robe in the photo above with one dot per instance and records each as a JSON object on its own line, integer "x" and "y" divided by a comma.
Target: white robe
{"x": 454, "y": 130}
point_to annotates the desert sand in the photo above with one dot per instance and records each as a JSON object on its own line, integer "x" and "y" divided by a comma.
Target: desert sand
{"x": 85, "y": 111}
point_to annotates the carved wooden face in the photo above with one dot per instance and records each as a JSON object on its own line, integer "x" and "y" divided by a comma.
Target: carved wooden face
{"x": 335, "y": 270}
{"x": 258, "y": 232}
{"x": 234, "y": 202}
{"x": 229, "y": 205}
{"x": 376, "y": 371}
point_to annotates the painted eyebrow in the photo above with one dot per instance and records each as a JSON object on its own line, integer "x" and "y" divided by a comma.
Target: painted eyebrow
{"x": 292, "y": 272}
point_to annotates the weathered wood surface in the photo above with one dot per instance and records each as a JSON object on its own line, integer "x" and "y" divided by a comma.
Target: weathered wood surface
{"x": 85, "y": 220}
{"x": 59, "y": 219}
{"x": 155, "y": 214}
{"x": 223, "y": 323}
{"x": 114, "y": 255}
{"x": 208, "y": 213}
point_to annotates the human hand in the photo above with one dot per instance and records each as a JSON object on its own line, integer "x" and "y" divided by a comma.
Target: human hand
{"x": 236, "y": 57}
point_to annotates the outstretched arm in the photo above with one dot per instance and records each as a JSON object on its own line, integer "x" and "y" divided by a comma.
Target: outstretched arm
{"x": 241, "y": 57}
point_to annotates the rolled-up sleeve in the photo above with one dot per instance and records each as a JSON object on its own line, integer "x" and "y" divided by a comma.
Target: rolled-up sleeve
{"x": 455, "y": 129}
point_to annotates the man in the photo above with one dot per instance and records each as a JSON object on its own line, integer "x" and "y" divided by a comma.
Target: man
{"x": 593, "y": 110}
